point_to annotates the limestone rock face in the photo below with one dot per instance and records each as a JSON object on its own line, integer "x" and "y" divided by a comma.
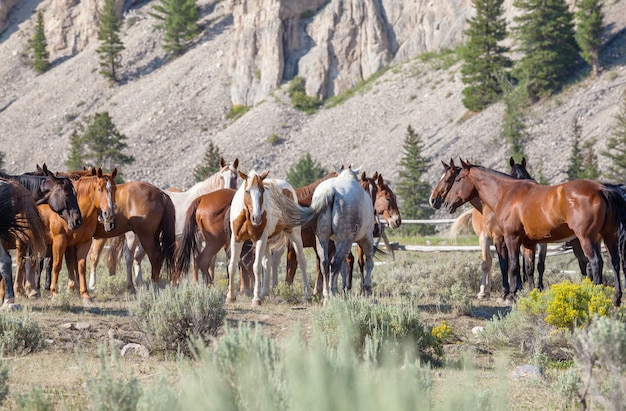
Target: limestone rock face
{"x": 5, "y": 8}
{"x": 333, "y": 44}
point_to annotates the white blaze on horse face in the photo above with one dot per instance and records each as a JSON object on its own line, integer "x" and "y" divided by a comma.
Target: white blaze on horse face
{"x": 110, "y": 196}
{"x": 256, "y": 214}
{"x": 230, "y": 179}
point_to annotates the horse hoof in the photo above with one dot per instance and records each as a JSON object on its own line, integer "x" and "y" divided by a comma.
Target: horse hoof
{"x": 7, "y": 306}
{"x": 230, "y": 299}
{"x": 256, "y": 301}
{"x": 33, "y": 294}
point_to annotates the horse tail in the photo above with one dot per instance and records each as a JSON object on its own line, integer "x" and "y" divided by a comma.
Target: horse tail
{"x": 21, "y": 220}
{"x": 168, "y": 236}
{"x": 615, "y": 196}
{"x": 461, "y": 222}
{"x": 188, "y": 242}
{"x": 292, "y": 214}
{"x": 319, "y": 203}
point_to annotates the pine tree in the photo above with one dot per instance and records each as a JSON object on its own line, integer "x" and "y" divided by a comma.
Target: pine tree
{"x": 100, "y": 146}
{"x": 583, "y": 162}
{"x": 514, "y": 131}
{"x": 616, "y": 146}
{"x": 210, "y": 163}
{"x": 485, "y": 59}
{"x": 589, "y": 17}
{"x": 412, "y": 192}
{"x": 544, "y": 35}
{"x": 179, "y": 19}
{"x": 40, "y": 46}
{"x": 111, "y": 46}
{"x": 305, "y": 171}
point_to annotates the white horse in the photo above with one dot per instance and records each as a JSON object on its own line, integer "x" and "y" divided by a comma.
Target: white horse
{"x": 226, "y": 177}
{"x": 266, "y": 212}
{"x": 344, "y": 215}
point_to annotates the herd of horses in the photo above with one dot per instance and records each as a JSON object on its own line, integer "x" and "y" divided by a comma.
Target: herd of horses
{"x": 47, "y": 217}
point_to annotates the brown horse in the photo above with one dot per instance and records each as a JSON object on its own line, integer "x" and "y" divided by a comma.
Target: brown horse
{"x": 529, "y": 213}
{"x": 149, "y": 213}
{"x": 209, "y": 216}
{"x": 20, "y": 221}
{"x": 96, "y": 199}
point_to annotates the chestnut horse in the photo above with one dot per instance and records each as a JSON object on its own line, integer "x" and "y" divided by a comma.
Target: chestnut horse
{"x": 96, "y": 199}
{"x": 209, "y": 216}
{"x": 529, "y": 213}
{"x": 264, "y": 211}
{"x": 149, "y": 214}
{"x": 20, "y": 221}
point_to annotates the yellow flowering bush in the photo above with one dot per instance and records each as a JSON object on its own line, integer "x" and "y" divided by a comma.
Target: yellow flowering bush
{"x": 442, "y": 331}
{"x": 566, "y": 304}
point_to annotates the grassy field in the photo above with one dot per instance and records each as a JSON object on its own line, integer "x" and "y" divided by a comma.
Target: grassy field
{"x": 77, "y": 345}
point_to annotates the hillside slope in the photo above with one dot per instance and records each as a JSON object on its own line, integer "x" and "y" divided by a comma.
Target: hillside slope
{"x": 170, "y": 109}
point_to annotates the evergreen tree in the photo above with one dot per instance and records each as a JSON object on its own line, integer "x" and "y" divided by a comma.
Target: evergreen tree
{"x": 179, "y": 19}
{"x": 100, "y": 146}
{"x": 111, "y": 46}
{"x": 544, "y": 35}
{"x": 412, "y": 192}
{"x": 583, "y": 162}
{"x": 589, "y": 16}
{"x": 514, "y": 131}
{"x": 305, "y": 171}
{"x": 616, "y": 147}
{"x": 2, "y": 155}
{"x": 485, "y": 60}
{"x": 40, "y": 46}
{"x": 210, "y": 163}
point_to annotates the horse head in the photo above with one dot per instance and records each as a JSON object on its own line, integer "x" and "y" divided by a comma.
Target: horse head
{"x": 105, "y": 198}
{"x": 443, "y": 186}
{"x": 519, "y": 171}
{"x": 254, "y": 191}
{"x": 228, "y": 173}
{"x": 386, "y": 203}
{"x": 461, "y": 190}
{"x": 61, "y": 197}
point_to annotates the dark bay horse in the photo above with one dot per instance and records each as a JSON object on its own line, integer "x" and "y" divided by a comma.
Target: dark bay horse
{"x": 529, "y": 213}
{"x": 96, "y": 199}
{"x": 264, "y": 211}
{"x": 20, "y": 221}
{"x": 148, "y": 212}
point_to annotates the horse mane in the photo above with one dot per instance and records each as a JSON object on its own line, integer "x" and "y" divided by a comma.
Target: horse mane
{"x": 31, "y": 182}
{"x": 83, "y": 185}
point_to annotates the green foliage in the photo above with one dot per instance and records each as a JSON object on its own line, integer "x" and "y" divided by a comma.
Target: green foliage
{"x": 100, "y": 145}
{"x": 370, "y": 327}
{"x": 170, "y": 317}
{"x": 616, "y": 146}
{"x": 567, "y": 305}
{"x": 111, "y": 46}
{"x": 111, "y": 389}
{"x": 274, "y": 139}
{"x": 2, "y": 156}
{"x": 442, "y": 59}
{"x": 34, "y": 400}
{"x": 544, "y": 34}
{"x": 210, "y": 163}
{"x": 360, "y": 87}
{"x": 583, "y": 162}
{"x": 237, "y": 111}
{"x": 305, "y": 171}
{"x": 40, "y": 46}
{"x": 412, "y": 192}
{"x": 299, "y": 98}
{"x": 589, "y": 17}
{"x": 485, "y": 60}
{"x": 4, "y": 379}
{"x": 19, "y": 335}
{"x": 179, "y": 19}
{"x": 514, "y": 131}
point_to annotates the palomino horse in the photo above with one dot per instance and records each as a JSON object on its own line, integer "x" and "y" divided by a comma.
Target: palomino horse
{"x": 225, "y": 177}
{"x": 209, "y": 216}
{"x": 529, "y": 213}
{"x": 19, "y": 222}
{"x": 264, "y": 211}
{"x": 149, "y": 214}
{"x": 344, "y": 213}
{"x": 96, "y": 199}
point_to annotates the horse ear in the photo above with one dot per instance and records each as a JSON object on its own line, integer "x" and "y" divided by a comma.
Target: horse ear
{"x": 114, "y": 172}
{"x": 222, "y": 162}
{"x": 375, "y": 176}
{"x": 524, "y": 162}
{"x": 463, "y": 163}
{"x": 511, "y": 162}
{"x": 39, "y": 168}
{"x": 264, "y": 174}
{"x": 93, "y": 171}
{"x": 380, "y": 181}
{"x": 243, "y": 175}
{"x": 99, "y": 172}
{"x": 363, "y": 177}
{"x": 236, "y": 163}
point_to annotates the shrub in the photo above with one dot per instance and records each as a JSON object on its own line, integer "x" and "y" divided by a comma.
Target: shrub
{"x": 173, "y": 315}
{"x": 274, "y": 139}
{"x": 19, "y": 335}
{"x": 299, "y": 98}
{"x": 4, "y": 380}
{"x": 442, "y": 332}
{"x": 237, "y": 111}
{"x": 566, "y": 305}
{"x": 34, "y": 400}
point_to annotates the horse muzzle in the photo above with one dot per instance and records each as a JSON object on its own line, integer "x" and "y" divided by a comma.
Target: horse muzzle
{"x": 73, "y": 220}
{"x": 435, "y": 202}
{"x": 395, "y": 223}
{"x": 107, "y": 220}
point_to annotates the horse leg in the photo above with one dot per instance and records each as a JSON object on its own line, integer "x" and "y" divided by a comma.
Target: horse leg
{"x": 71, "y": 264}
{"x": 529, "y": 266}
{"x": 246, "y": 269}
{"x": 347, "y": 275}
{"x": 81, "y": 257}
{"x": 20, "y": 253}
{"x": 541, "y": 263}
{"x": 342, "y": 248}
{"x": 202, "y": 262}
{"x": 487, "y": 262}
{"x": 583, "y": 263}
{"x": 367, "y": 247}
{"x": 292, "y": 265}
{"x": 513, "y": 247}
{"x": 138, "y": 256}
{"x": 94, "y": 259}
{"x": 48, "y": 265}
{"x": 261, "y": 276}
{"x": 503, "y": 261}
{"x": 7, "y": 276}
{"x": 594, "y": 258}
{"x": 235, "y": 255}
{"x": 58, "y": 251}
{"x": 613, "y": 250}
{"x": 150, "y": 246}
{"x": 276, "y": 256}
